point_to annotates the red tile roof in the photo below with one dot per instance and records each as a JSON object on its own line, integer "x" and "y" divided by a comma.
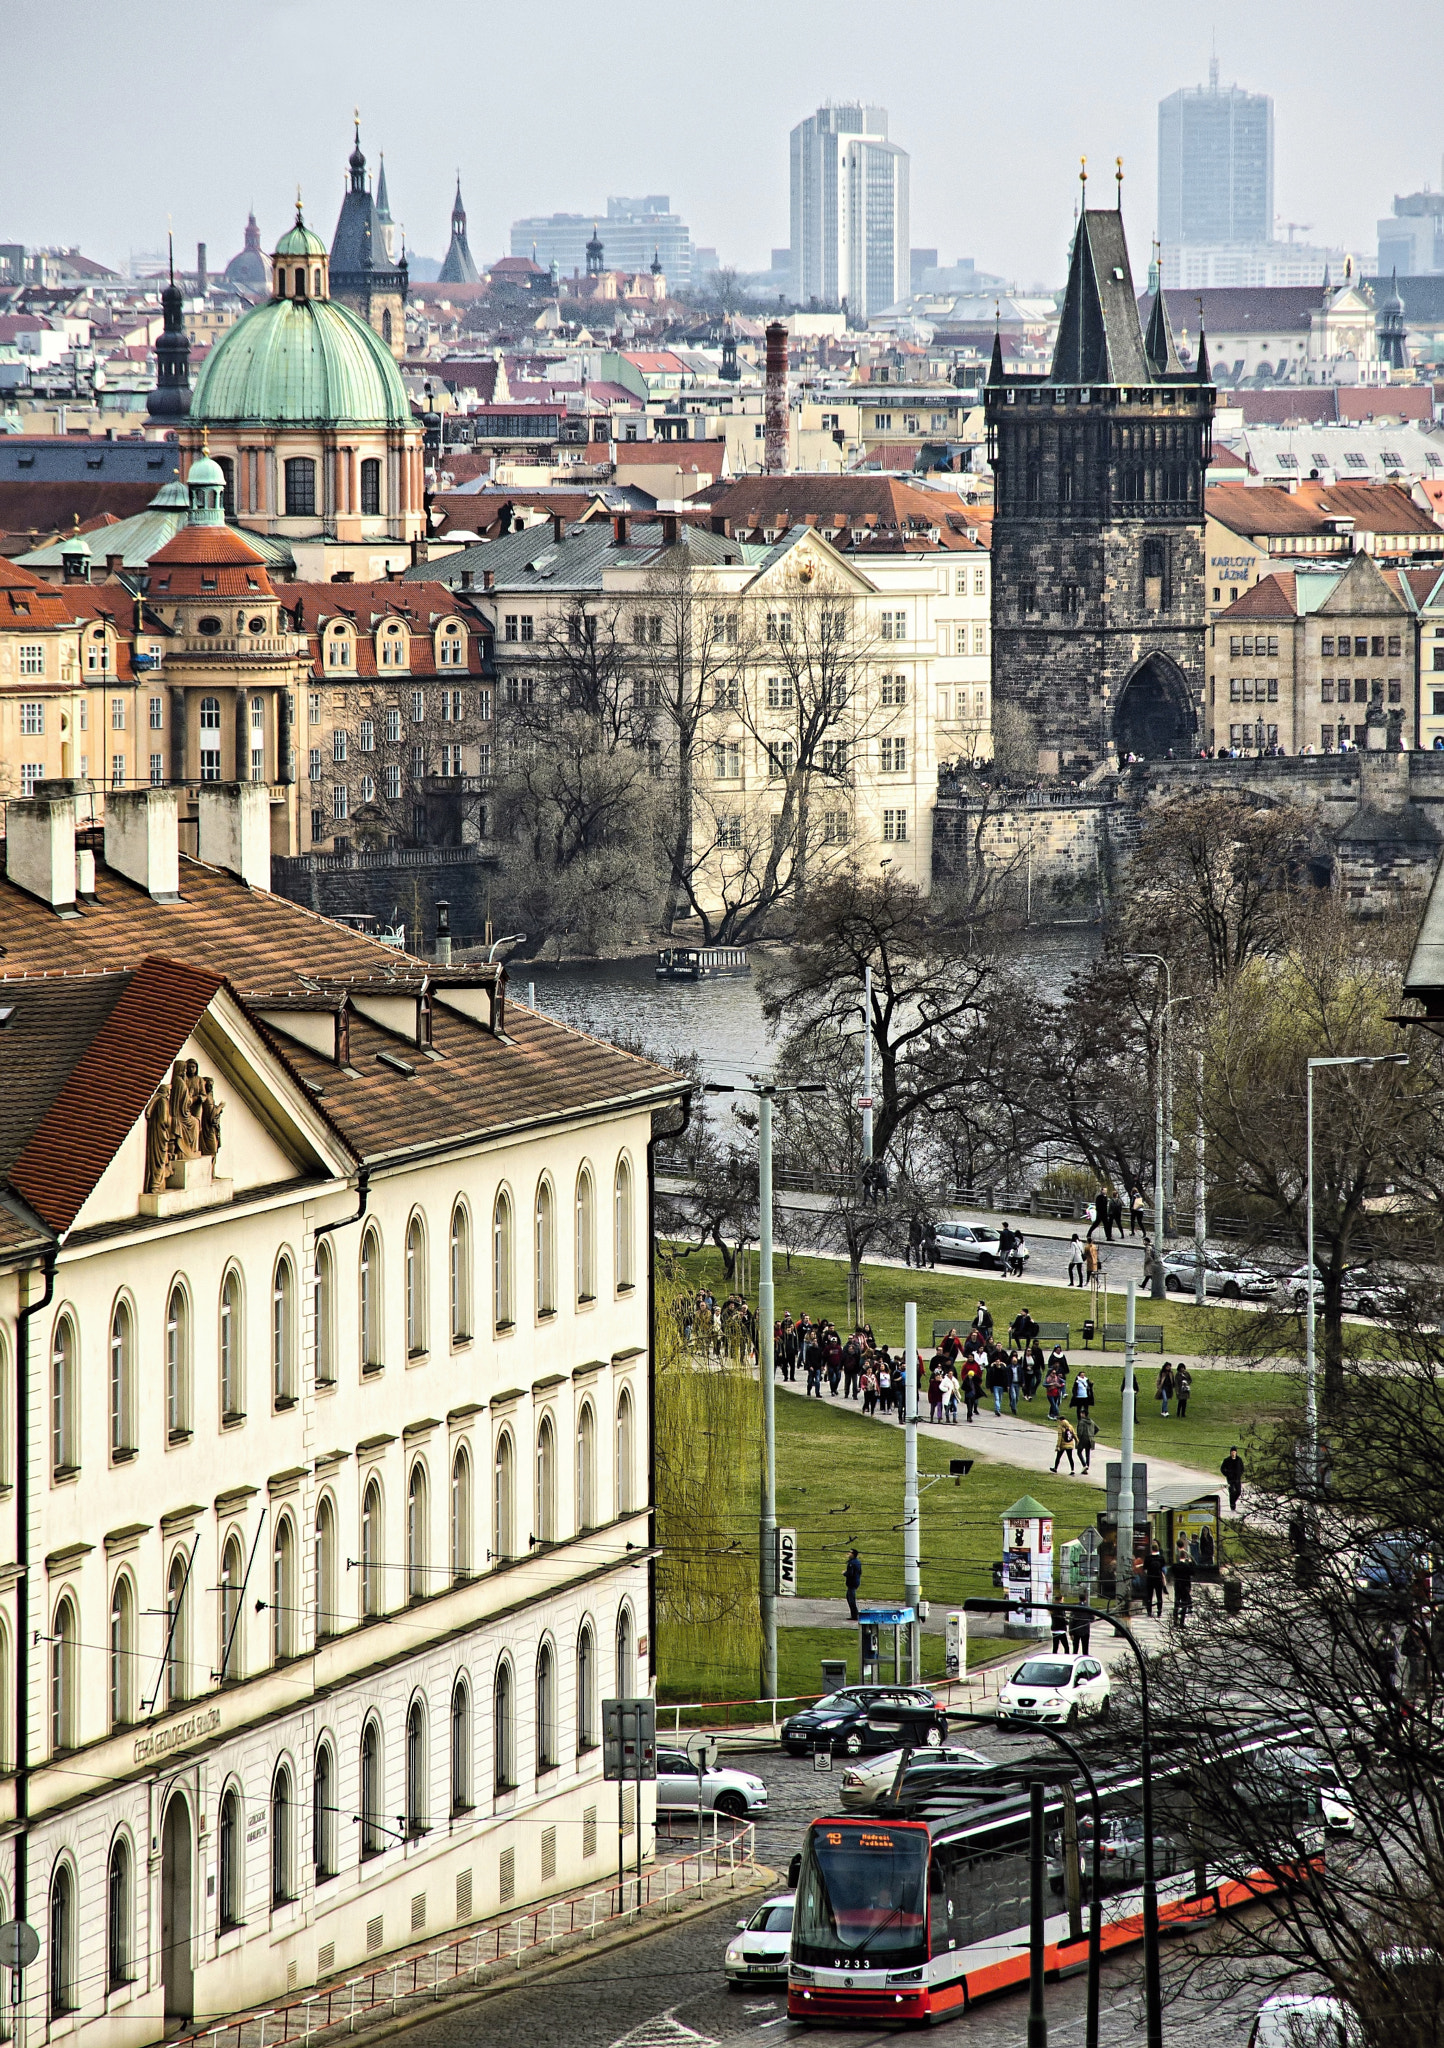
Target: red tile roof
{"x": 1272, "y": 597}
{"x": 1270, "y": 509}
{"x": 208, "y": 544}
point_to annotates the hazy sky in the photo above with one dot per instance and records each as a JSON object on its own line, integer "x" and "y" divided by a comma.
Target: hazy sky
{"x": 128, "y": 114}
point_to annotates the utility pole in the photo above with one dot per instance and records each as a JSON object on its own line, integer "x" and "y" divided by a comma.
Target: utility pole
{"x": 867, "y": 1066}
{"x": 1200, "y": 1206}
{"x": 767, "y": 1524}
{"x": 1123, "y": 1546}
{"x": 1159, "y": 1199}
{"x": 912, "y": 1548}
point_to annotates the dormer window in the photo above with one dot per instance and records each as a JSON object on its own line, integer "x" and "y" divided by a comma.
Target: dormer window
{"x": 453, "y": 647}
{"x": 393, "y": 647}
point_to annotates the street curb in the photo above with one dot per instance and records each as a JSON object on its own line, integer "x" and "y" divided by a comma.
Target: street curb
{"x": 458, "y": 2001}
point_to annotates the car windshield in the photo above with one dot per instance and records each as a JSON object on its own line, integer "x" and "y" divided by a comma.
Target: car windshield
{"x": 863, "y": 1888}
{"x": 1039, "y": 1671}
{"x": 773, "y": 1918}
{"x": 834, "y": 1703}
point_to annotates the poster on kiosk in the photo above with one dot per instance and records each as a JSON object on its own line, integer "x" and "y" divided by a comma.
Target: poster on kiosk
{"x": 1027, "y": 1568}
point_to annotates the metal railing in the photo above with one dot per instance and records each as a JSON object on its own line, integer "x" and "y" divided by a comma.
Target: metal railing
{"x": 436, "y": 1972}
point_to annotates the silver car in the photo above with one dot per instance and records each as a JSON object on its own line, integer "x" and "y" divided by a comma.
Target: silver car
{"x": 1226, "y": 1274}
{"x": 974, "y": 1244}
{"x": 738, "y": 1794}
{"x": 762, "y": 1945}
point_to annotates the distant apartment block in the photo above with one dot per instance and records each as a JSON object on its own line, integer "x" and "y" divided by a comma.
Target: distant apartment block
{"x": 1215, "y": 165}
{"x": 632, "y": 232}
{"x": 850, "y": 215}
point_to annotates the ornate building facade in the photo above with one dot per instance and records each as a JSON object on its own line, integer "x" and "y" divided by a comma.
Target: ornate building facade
{"x": 1098, "y": 536}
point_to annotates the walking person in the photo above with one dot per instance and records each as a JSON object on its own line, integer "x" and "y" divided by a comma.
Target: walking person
{"x": 1075, "y": 1260}
{"x": 1163, "y": 1388}
{"x": 1059, "y": 1618}
{"x": 1135, "y": 1211}
{"x": 1115, "y": 1210}
{"x": 1155, "y": 1566}
{"x": 1183, "y": 1569}
{"x": 930, "y": 1242}
{"x": 1080, "y": 1628}
{"x": 950, "y": 1395}
{"x": 1065, "y": 1441}
{"x": 997, "y": 1379}
{"x": 972, "y": 1388}
{"x": 1182, "y": 1387}
{"x": 935, "y": 1394}
{"x": 983, "y": 1321}
{"x": 1015, "y": 1381}
{"x": 1105, "y": 1212}
{"x": 1055, "y": 1382}
{"x": 1087, "y": 1437}
{"x": 1090, "y": 1256}
{"x": 913, "y": 1256}
{"x": 1232, "y": 1470}
{"x": 1081, "y": 1398}
{"x": 852, "y": 1579}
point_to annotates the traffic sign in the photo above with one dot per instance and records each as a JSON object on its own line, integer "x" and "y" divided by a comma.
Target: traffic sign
{"x": 19, "y": 1944}
{"x": 866, "y": 1102}
{"x": 701, "y": 1751}
{"x": 629, "y": 1740}
{"x": 787, "y": 1563}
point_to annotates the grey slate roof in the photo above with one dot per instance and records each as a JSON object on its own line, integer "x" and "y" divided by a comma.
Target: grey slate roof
{"x": 533, "y": 557}
{"x": 1099, "y": 338}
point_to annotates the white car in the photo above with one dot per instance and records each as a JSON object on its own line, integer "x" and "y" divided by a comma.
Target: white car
{"x": 735, "y": 1793}
{"x": 865, "y": 1782}
{"x": 761, "y": 1946}
{"x": 1300, "y": 2019}
{"x": 1056, "y": 1688}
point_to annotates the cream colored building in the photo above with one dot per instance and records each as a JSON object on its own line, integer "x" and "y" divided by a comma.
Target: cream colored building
{"x": 324, "y": 1456}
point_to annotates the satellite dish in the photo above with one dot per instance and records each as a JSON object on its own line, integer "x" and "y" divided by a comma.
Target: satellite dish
{"x": 19, "y": 1944}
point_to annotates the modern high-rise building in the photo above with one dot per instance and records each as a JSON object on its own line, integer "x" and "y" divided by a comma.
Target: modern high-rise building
{"x": 1215, "y": 165}
{"x": 633, "y": 232}
{"x": 849, "y": 211}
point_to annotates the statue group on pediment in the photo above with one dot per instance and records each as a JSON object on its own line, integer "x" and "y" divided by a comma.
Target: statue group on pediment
{"x": 182, "y": 1122}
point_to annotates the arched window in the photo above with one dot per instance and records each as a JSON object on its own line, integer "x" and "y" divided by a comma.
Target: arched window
{"x": 283, "y": 1334}
{"x": 63, "y": 1701}
{"x": 586, "y": 1688}
{"x": 415, "y": 1288}
{"x": 371, "y": 1353}
{"x": 461, "y": 1515}
{"x": 370, "y": 485}
{"x": 386, "y": 325}
{"x": 316, "y": 281}
{"x": 283, "y": 1591}
{"x": 232, "y": 1346}
{"x": 231, "y": 1661}
{"x": 323, "y": 1812}
{"x": 122, "y": 1381}
{"x": 460, "y": 1274}
{"x": 626, "y": 1672}
{"x": 586, "y": 1247}
{"x": 210, "y": 714}
{"x": 503, "y": 1732}
{"x": 326, "y": 1609}
{"x": 373, "y": 1839}
{"x": 325, "y": 1303}
{"x": 503, "y": 1530}
{"x": 371, "y": 1549}
{"x": 622, "y": 1224}
{"x": 229, "y": 1873}
{"x": 118, "y": 1938}
{"x": 416, "y": 1800}
{"x": 587, "y": 1467}
{"x": 460, "y": 1747}
{"x": 62, "y": 1941}
{"x": 64, "y": 1436}
{"x": 501, "y": 1262}
{"x": 546, "y": 1708}
{"x": 417, "y": 1507}
{"x": 300, "y": 469}
{"x": 546, "y": 1482}
{"x": 5, "y": 1412}
{"x": 178, "y": 1364}
{"x": 546, "y": 1291}
{"x": 175, "y": 1613}
{"x": 122, "y": 1652}
{"x": 7, "y": 1751}
{"x": 624, "y": 1453}
{"x": 282, "y": 1820}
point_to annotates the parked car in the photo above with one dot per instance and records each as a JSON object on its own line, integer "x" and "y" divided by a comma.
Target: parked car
{"x": 1395, "y": 1573}
{"x": 735, "y": 1793}
{"x": 1301, "y": 2019}
{"x": 1224, "y": 1273}
{"x": 1335, "y": 1795}
{"x": 762, "y": 1945}
{"x": 841, "y": 1723}
{"x": 863, "y": 1784}
{"x": 973, "y": 1244}
{"x": 1056, "y": 1688}
{"x": 1369, "y": 1289}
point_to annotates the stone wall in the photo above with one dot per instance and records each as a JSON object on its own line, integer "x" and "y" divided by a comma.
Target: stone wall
{"x": 400, "y": 888}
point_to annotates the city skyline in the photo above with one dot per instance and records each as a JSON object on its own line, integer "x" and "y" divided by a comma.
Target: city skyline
{"x": 1011, "y": 211}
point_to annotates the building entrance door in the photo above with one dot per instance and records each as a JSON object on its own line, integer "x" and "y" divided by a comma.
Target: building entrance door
{"x": 175, "y": 1913}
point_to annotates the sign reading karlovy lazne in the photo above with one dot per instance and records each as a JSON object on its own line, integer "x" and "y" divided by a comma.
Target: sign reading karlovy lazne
{"x": 176, "y": 1734}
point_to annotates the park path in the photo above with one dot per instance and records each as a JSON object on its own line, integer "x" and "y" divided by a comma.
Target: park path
{"x": 1010, "y": 1440}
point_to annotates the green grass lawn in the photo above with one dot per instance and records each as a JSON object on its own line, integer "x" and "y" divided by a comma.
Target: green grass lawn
{"x": 800, "y": 1652}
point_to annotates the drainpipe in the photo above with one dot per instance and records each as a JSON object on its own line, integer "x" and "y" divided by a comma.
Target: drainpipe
{"x": 363, "y": 1185}
{"x": 652, "y": 1377}
{"x": 22, "y": 1584}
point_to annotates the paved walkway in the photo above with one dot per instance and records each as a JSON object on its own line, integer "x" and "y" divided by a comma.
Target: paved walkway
{"x": 1010, "y": 1440}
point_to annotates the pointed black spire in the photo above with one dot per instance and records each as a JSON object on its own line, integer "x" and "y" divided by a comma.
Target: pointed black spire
{"x": 1099, "y": 339}
{"x": 1158, "y": 342}
{"x": 171, "y": 398}
{"x": 1202, "y": 368}
{"x": 995, "y": 367}
{"x": 458, "y": 267}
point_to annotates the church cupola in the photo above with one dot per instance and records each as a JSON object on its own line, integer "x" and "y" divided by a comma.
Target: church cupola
{"x": 594, "y": 253}
{"x": 301, "y": 267}
{"x": 206, "y": 485}
{"x": 171, "y": 399}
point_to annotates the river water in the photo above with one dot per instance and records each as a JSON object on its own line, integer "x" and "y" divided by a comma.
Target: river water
{"x": 721, "y": 1021}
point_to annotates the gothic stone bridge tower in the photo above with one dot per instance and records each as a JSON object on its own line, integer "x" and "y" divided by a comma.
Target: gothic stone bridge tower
{"x": 1098, "y": 560}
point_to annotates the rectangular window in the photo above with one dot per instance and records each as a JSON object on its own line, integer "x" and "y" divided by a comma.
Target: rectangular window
{"x": 340, "y": 800}
{"x": 32, "y": 657}
{"x": 97, "y": 656}
{"x": 835, "y": 828}
{"x": 1273, "y": 735}
{"x": 210, "y": 764}
{"x": 157, "y": 770}
{"x": 980, "y": 639}
{"x": 894, "y": 690}
{"x": 313, "y": 707}
{"x": 483, "y": 758}
{"x": 31, "y": 772}
{"x": 779, "y": 693}
{"x": 1326, "y": 738}
{"x": 1235, "y": 690}
{"x": 1439, "y": 657}
{"x": 117, "y": 714}
{"x": 370, "y": 486}
{"x": 724, "y": 692}
{"x": 834, "y": 757}
{"x": 1438, "y": 711}
{"x": 391, "y": 780}
{"x": 1326, "y": 645}
{"x": 894, "y": 625}
{"x": 894, "y": 826}
{"x": 418, "y": 763}
{"x": 960, "y": 640}
{"x": 1396, "y": 690}
{"x": 1273, "y": 696}
{"x": 319, "y": 828}
{"x": 980, "y": 583}
{"x": 157, "y": 713}
{"x": 1361, "y": 643}
{"x": 781, "y": 759}
{"x": 1376, "y": 689}
{"x": 117, "y": 771}
{"x": 1273, "y": 646}
{"x": 726, "y": 760}
{"x": 729, "y": 831}
{"x": 300, "y": 487}
{"x": 418, "y": 707}
{"x": 366, "y": 736}
{"x": 960, "y": 582}
{"x": 393, "y": 725}
{"x": 483, "y": 706}
{"x": 313, "y": 765}
{"x": 1027, "y": 597}
{"x": 32, "y": 716}
{"x": 258, "y": 764}
{"x": 1396, "y": 644}
{"x": 779, "y": 626}
{"x": 894, "y": 756}
{"x": 1326, "y": 690}
{"x": 339, "y": 743}
{"x": 509, "y": 627}
{"x": 258, "y": 714}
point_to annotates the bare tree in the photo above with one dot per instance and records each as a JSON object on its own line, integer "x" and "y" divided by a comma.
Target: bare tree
{"x": 409, "y": 755}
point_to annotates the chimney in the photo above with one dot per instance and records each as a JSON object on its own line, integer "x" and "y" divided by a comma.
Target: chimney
{"x": 201, "y": 268}
{"x": 114, "y": 564}
{"x": 559, "y": 528}
{"x": 488, "y": 579}
{"x": 235, "y": 830}
{"x": 670, "y": 526}
{"x": 142, "y": 840}
{"x": 774, "y": 458}
{"x": 720, "y": 523}
{"x": 466, "y": 579}
{"x": 443, "y": 934}
{"x": 40, "y": 849}
{"x": 619, "y": 529}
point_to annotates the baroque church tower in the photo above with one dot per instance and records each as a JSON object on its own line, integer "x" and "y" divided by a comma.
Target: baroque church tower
{"x": 1098, "y": 548}
{"x": 363, "y": 275}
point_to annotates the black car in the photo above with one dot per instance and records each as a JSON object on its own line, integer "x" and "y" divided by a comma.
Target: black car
{"x": 910, "y": 1718}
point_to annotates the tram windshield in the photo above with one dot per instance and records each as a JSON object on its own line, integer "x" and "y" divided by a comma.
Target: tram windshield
{"x": 862, "y": 1897}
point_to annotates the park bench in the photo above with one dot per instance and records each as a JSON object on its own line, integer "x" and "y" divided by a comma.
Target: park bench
{"x": 1146, "y": 1336}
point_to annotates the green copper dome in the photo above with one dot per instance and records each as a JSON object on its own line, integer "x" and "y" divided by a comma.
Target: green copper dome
{"x": 301, "y": 362}
{"x": 299, "y": 240}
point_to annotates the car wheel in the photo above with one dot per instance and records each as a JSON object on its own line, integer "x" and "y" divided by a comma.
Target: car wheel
{"x": 732, "y": 1804}
{"x": 852, "y": 1744}
{"x": 1172, "y": 1282}
{"x": 935, "y": 1738}
{"x": 1301, "y": 1297}
{"x": 1072, "y": 1720}
{"x": 1367, "y": 1305}
{"x": 1105, "y": 1709}
{"x": 1230, "y": 1291}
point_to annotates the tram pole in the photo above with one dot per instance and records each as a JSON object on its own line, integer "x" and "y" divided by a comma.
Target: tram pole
{"x": 1037, "y": 2016}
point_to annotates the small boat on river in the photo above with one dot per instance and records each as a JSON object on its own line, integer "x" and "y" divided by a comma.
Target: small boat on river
{"x": 701, "y": 963}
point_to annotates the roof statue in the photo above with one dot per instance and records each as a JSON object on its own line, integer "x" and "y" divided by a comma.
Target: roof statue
{"x": 458, "y": 267}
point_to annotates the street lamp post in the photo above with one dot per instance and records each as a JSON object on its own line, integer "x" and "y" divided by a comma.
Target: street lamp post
{"x": 766, "y": 1094}
{"x": 1311, "y": 1391}
{"x": 1159, "y": 1290}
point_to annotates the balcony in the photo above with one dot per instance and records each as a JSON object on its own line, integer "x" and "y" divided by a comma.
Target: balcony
{"x": 230, "y": 645}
